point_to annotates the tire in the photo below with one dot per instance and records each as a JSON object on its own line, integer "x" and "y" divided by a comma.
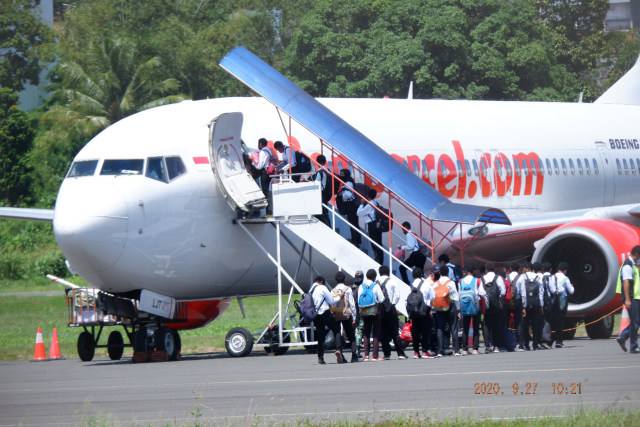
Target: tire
{"x": 570, "y": 324}
{"x": 140, "y": 340}
{"x": 168, "y": 340}
{"x": 115, "y": 345}
{"x": 86, "y": 346}
{"x": 601, "y": 329}
{"x": 272, "y": 336}
{"x": 238, "y": 342}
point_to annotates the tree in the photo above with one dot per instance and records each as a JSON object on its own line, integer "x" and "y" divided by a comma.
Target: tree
{"x": 110, "y": 84}
{"x": 16, "y": 138}
{"x": 21, "y": 36}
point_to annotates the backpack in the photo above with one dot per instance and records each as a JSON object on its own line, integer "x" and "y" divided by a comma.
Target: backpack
{"x": 512, "y": 297}
{"x": 548, "y": 297}
{"x": 442, "y": 300}
{"x": 308, "y": 310}
{"x": 341, "y": 310}
{"x": 532, "y": 288}
{"x": 362, "y": 189}
{"x": 469, "y": 297}
{"x": 416, "y": 307}
{"x": 457, "y": 272}
{"x": 387, "y": 307}
{"x": 494, "y": 302}
{"x": 382, "y": 218}
{"x": 303, "y": 163}
{"x": 367, "y": 301}
{"x": 325, "y": 185}
{"x": 562, "y": 296}
{"x": 424, "y": 250}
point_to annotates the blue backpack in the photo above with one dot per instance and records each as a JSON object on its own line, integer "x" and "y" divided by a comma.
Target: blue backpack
{"x": 469, "y": 301}
{"x": 366, "y": 297}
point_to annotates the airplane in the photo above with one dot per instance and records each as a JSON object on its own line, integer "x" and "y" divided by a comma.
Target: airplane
{"x": 141, "y": 211}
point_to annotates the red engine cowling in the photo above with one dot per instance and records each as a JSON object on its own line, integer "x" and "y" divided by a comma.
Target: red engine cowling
{"x": 594, "y": 250}
{"x": 195, "y": 314}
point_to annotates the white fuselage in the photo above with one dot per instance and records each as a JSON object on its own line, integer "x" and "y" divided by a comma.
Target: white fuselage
{"x": 127, "y": 232}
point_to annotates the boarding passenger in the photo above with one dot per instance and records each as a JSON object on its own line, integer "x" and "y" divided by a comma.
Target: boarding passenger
{"x": 629, "y": 288}
{"x": 355, "y": 286}
{"x": 493, "y": 286}
{"x": 470, "y": 309}
{"x": 562, "y": 287}
{"x": 347, "y": 206}
{"x": 370, "y": 297}
{"x": 455, "y": 272}
{"x": 323, "y": 176}
{"x": 532, "y": 306}
{"x": 446, "y": 306}
{"x": 265, "y": 166}
{"x": 345, "y": 312}
{"x": 419, "y": 311}
{"x": 322, "y": 299}
{"x": 544, "y": 277}
{"x": 368, "y": 212}
{"x": 514, "y": 305}
{"x": 389, "y": 325}
{"x": 416, "y": 258}
{"x": 287, "y": 162}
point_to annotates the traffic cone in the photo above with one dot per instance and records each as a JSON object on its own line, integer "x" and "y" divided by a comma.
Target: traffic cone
{"x": 38, "y": 354}
{"x": 54, "y": 350}
{"x": 624, "y": 320}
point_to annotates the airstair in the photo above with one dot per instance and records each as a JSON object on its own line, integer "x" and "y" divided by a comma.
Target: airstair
{"x": 295, "y": 204}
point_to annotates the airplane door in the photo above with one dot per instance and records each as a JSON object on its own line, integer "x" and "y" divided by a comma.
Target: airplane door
{"x": 227, "y": 163}
{"x": 609, "y": 184}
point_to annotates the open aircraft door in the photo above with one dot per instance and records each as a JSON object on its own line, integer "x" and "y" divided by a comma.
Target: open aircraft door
{"x": 227, "y": 163}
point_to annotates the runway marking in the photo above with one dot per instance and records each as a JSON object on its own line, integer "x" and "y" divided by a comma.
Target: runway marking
{"x": 317, "y": 379}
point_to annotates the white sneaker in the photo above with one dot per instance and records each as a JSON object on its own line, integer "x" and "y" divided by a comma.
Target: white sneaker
{"x": 456, "y": 354}
{"x": 402, "y": 357}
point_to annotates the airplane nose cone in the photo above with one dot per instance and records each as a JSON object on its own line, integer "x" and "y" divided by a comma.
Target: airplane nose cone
{"x": 90, "y": 225}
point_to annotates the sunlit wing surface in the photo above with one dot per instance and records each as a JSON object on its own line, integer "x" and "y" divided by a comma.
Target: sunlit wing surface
{"x": 321, "y": 121}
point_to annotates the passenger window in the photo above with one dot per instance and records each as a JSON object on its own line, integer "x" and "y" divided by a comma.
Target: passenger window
{"x": 175, "y": 167}
{"x": 468, "y": 166}
{"x": 595, "y": 167}
{"x": 82, "y": 168}
{"x": 541, "y": 167}
{"x": 555, "y": 166}
{"x": 122, "y": 167}
{"x": 626, "y": 167}
{"x": 516, "y": 166}
{"x": 483, "y": 168}
{"x": 632, "y": 166}
{"x": 579, "y": 166}
{"x": 573, "y": 170}
{"x": 460, "y": 172}
{"x": 564, "y": 166}
{"x": 619, "y": 166}
{"x": 499, "y": 169}
{"x": 443, "y": 169}
{"x": 549, "y": 170}
{"x": 156, "y": 169}
{"x": 475, "y": 167}
{"x": 525, "y": 168}
{"x": 534, "y": 170}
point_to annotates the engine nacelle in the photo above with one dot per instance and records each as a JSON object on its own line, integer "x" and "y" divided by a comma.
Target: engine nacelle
{"x": 594, "y": 249}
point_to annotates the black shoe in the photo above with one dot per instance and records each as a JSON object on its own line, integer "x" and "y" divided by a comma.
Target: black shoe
{"x": 321, "y": 362}
{"x": 354, "y": 360}
{"x": 622, "y": 344}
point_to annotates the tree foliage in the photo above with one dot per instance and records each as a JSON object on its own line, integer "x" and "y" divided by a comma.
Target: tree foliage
{"x": 16, "y": 138}
{"x": 21, "y": 36}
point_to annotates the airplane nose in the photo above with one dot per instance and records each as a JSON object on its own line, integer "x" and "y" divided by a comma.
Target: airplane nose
{"x": 90, "y": 225}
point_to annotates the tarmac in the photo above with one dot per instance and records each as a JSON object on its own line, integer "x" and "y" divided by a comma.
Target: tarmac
{"x": 290, "y": 389}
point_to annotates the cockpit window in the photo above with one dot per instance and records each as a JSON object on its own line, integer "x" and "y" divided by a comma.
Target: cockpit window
{"x": 175, "y": 167}
{"x": 122, "y": 167}
{"x": 156, "y": 169}
{"x": 83, "y": 168}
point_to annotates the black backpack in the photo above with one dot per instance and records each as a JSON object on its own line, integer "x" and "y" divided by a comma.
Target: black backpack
{"x": 327, "y": 191}
{"x": 416, "y": 308}
{"x": 532, "y": 288}
{"x": 548, "y": 296}
{"x": 387, "y": 307}
{"x": 382, "y": 219}
{"x": 493, "y": 295}
{"x": 303, "y": 163}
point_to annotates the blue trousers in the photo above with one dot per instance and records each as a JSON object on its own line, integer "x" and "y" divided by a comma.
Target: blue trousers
{"x": 631, "y": 331}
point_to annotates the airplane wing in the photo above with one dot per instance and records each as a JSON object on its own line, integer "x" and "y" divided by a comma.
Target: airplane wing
{"x": 45, "y": 215}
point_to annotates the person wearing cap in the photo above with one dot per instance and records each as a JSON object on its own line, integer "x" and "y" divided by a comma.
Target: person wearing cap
{"x": 346, "y": 201}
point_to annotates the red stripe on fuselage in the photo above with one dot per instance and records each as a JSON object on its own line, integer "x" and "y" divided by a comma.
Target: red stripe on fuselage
{"x": 201, "y": 160}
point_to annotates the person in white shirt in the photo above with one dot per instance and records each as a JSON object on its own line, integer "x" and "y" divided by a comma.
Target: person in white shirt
{"x": 415, "y": 258}
{"x": 347, "y": 206}
{"x": 494, "y": 290}
{"x": 326, "y": 186}
{"x": 513, "y": 276}
{"x": 532, "y": 307}
{"x": 629, "y": 288}
{"x": 389, "y": 324}
{"x": 368, "y": 213}
{"x": 346, "y": 316}
{"x": 450, "y": 316}
{"x": 421, "y": 326}
{"x": 371, "y": 324}
{"x": 562, "y": 287}
{"x": 265, "y": 160}
{"x": 287, "y": 160}
{"x": 470, "y": 285}
{"x": 322, "y": 299}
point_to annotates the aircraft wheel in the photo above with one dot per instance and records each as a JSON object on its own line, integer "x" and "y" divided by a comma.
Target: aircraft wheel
{"x": 601, "y": 329}
{"x": 238, "y": 342}
{"x": 115, "y": 345}
{"x": 140, "y": 340}
{"x": 86, "y": 346}
{"x": 168, "y": 340}
{"x": 569, "y": 324}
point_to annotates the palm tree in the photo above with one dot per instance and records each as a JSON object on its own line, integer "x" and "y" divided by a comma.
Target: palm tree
{"x": 111, "y": 85}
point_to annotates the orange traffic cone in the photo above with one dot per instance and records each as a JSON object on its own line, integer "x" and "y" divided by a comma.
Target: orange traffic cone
{"x": 624, "y": 320}
{"x": 54, "y": 350}
{"x": 38, "y": 354}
